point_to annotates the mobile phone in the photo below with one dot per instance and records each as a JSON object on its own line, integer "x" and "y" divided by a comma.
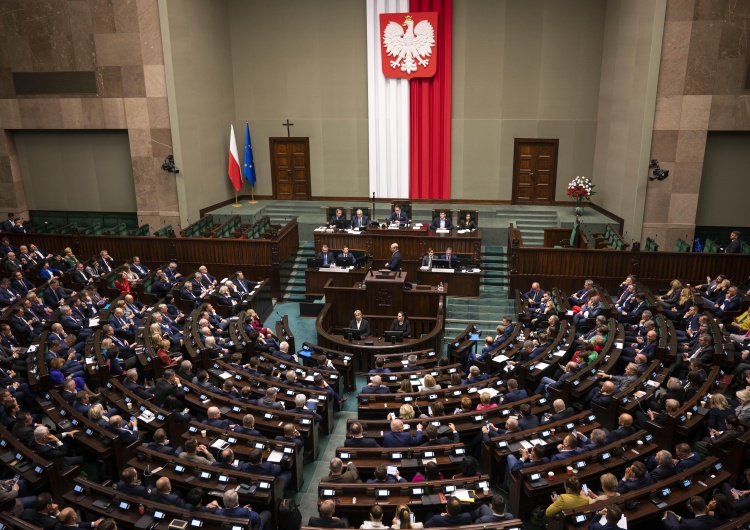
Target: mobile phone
{"x": 585, "y": 489}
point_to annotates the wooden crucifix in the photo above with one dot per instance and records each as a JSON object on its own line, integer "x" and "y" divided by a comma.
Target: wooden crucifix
{"x": 288, "y": 128}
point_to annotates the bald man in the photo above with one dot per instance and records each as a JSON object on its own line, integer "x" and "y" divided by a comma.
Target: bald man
{"x": 376, "y": 386}
{"x": 398, "y": 438}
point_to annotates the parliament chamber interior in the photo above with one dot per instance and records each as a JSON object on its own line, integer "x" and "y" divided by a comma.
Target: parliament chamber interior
{"x": 481, "y": 264}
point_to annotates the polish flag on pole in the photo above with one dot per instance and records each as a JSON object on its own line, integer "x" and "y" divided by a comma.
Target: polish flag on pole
{"x": 234, "y": 162}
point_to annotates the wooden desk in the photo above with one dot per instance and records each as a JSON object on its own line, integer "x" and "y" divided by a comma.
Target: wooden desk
{"x": 413, "y": 243}
{"x": 464, "y": 284}
{"x": 246, "y": 443}
{"x": 316, "y": 279}
{"x": 399, "y": 493}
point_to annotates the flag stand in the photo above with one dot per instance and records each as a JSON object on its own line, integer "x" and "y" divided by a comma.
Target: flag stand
{"x": 252, "y": 196}
{"x": 236, "y": 204}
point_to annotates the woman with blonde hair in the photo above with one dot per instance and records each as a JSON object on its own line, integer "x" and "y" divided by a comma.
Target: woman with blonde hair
{"x": 670, "y": 298}
{"x": 743, "y": 409}
{"x": 405, "y": 386}
{"x": 96, "y": 414}
{"x": 485, "y": 402}
{"x": 609, "y": 489}
{"x": 430, "y": 384}
{"x": 403, "y": 519}
{"x": 406, "y": 412}
{"x": 69, "y": 257}
{"x": 681, "y": 306}
{"x": 257, "y": 325}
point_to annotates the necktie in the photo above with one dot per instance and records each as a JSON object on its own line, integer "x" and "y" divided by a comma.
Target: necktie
{"x": 429, "y": 263}
{"x": 325, "y": 259}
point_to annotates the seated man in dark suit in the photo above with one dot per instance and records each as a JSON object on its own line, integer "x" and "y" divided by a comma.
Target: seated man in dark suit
{"x": 451, "y": 517}
{"x": 187, "y": 293}
{"x": 514, "y": 393}
{"x": 432, "y": 436}
{"x": 398, "y": 217}
{"x": 581, "y": 297}
{"x": 624, "y": 428}
{"x": 665, "y": 466}
{"x": 164, "y": 495}
{"x": 248, "y": 426}
{"x": 360, "y": 220}
{"x": 300, "y": 400}
{"x": 291, "y": 434}
{"x": 534, "y": 296}
{"x": 613, "y": 515}
{"x": 442, "y": 222}
{"x": 731, "y": 302}
{"x": 592, "y": 308}
{"x": 734, "y": 246}
{"x": 701, "y": 521}
{"x": 347, "y": 257}
{"x": 398, "y": 438}
{"x": 232, "y": 508}
{"x": 128, "y": 432}
{"x": 44, "y": 513}
{"x": 45, "y": 444}
{"x": 257, "y": 466}
{"x": 326, "y": 519}
{"x": 56, "y": 294}
{"x": 362, "y": 324}
{"x": 325, "y": 255}
{"x": 215, "y": 419}
{"x": 560, "y": 412}
{"x": 337, "y": 217}
{"x": 375, "y": 386}
{"x": 636, "y": 477}
{"x": 450, "y": 258}
{"x": 161, "y": 443}
{"x": 494, "y": 513}
{"x": 703, "y": 352}
{"x": 129, "y": 484}
{"x": 358, "y": 439}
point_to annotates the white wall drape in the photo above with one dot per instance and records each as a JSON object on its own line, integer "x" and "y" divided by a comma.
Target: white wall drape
{"x": 388, "y": 111}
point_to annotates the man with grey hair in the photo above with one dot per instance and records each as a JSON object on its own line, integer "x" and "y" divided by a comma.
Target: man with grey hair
{"x": 411, "y": 364}
{"x": 248, "y": 427}
{"x": 361, "y": 324}
{"x": 338, "y": 474}
{"x": 291, "y": 379}
{"x": 475, "y": 376}
{"x": 131, "y": 383}
{"x": 50, "y": 447}
{"x": 232, "y": 508}
{"x": 664, "y": 466}
{"x": 581, "y": 297}
{"x": 269, "y": 400}
{"x": 283, "y": 353}
{"x": 186, "y": 370}
{"x": 300, "y": 400}
{"x": 375, "y": 386}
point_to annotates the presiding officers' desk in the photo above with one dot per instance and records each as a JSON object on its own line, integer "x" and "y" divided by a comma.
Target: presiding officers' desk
{"x": 413, "y": 243}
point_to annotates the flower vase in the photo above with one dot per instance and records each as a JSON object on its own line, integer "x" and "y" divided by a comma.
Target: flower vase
{"x": 579, "y": 207}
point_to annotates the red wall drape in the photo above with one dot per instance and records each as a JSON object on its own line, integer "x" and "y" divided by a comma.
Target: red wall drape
{"x": 430, "y": 120}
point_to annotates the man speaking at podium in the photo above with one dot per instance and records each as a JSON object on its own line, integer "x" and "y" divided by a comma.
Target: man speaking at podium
{"x": 394, "y": 263}
{"x": 362, "y": 324}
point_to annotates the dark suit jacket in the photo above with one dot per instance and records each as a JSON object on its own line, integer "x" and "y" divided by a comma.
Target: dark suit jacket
{"x": 620, "y": 433}
{"x": 449, "y": 520}
{"x": 733, "y": 247}
{"x": 328, "y": 522}
{"x": 625, "y": 486}
{"x": 704, "y": 522}
{"x": 436, "y": 223}
{"x": 136, "y": 490}
{"x": 364, "y": 327}
{"x": 382, "y": 389}
{"x": 515, "y": 395}
{"x": 662, "y": 472}
{"x": 395, "y": 326}
{"x": 329, "y": 256}
{"x": 361, "y": 442}
{"x": 400, "y": 218}
{"x": 394, "y": 263}
{"x": 356, "y": 222}
{"x": 527, "y": 422}
{"x": 41, "y": 520}
{"x": 401, "y": 439}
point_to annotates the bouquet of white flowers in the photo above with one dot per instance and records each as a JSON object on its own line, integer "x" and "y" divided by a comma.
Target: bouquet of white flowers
{"x": 581, "y": 188}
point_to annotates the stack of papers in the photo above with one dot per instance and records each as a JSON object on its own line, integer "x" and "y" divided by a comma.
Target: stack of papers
{"x": 275, "y": 456}
{"x": 500, "y": 358}
{"x": 463, "y": 495}
{"x": 541, "y": 366}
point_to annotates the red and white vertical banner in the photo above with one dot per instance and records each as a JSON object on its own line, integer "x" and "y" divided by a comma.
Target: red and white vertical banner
{"x": 409, "y": 74}
{"x": 430, "y": 123}
{"x": 234, "y": 161}
{"x": 387, "y": 111}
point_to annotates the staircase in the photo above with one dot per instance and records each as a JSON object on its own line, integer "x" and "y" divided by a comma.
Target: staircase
{"x": 531, "y": 223}
{"x": 493, "y": 302}
{"x": 293, "y": 273}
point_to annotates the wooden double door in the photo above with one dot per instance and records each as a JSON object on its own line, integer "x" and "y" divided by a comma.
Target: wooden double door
{"x": 290, "y": 167}
{"x": 534, "y": 171}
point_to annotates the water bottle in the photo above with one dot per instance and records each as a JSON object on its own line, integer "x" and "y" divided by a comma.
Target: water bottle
{"x": 440, "y": 287}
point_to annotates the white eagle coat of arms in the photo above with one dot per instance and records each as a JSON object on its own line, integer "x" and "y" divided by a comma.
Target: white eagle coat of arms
{"x": 411, "y": 48}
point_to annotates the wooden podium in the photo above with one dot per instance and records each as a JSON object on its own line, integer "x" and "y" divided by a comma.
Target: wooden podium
{"x": 380, "y": 297}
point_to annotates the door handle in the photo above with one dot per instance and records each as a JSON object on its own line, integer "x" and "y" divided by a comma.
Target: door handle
{"x": 531, "y": 175}
{"x": 288, "y": 171}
